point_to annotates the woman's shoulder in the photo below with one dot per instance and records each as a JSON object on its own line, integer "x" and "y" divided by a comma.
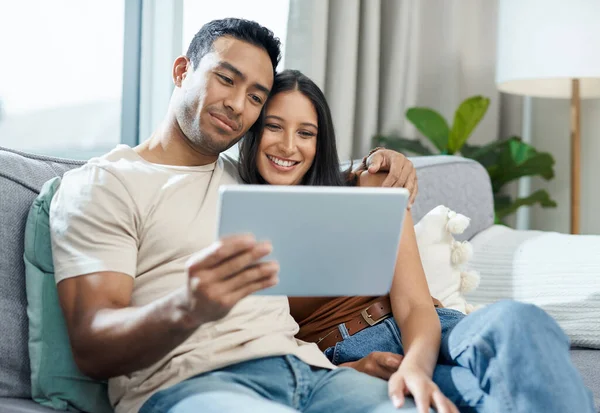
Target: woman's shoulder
{"x": 368, "y": 179}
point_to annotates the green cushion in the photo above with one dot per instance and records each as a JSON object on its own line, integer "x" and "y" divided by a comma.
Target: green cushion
{"x": 56, "y": 381}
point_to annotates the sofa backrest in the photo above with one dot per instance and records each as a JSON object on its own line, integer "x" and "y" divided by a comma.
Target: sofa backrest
{"x": 460, "y": 184}
{"x": 21, "y": 177}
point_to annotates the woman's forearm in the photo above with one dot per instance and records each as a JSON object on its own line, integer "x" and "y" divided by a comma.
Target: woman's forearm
{"x": 412, "y": 305}
{"x": 421, "y": 334}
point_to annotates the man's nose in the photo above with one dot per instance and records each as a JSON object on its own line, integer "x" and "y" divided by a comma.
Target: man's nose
{"x": 236, "y": 101}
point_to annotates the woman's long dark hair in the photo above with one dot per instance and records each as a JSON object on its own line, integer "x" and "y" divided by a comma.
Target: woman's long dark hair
{"x": 325, "y": 169}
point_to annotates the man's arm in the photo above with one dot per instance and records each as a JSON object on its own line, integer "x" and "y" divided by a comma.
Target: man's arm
{"x": 111, "y": 338}
{"x": 94, "y": 224}
{"x": 108, "y": 337}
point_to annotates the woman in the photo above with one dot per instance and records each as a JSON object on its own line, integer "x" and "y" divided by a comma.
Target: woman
{"x": 504, "y": 358}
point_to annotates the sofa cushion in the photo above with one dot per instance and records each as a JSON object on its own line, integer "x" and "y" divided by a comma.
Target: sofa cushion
{"x": 55, "y": 379}
{"x": 587, "y": 362}
{"x": 10, "y": 405}
{"x": 21, "y": 177}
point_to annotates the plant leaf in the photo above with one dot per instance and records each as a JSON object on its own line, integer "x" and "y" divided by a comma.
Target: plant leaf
{"x": 431, "y": 124}
{"x": 467, "y": 117}
{"x": 487, "y": 155}
{"x": 479, "y": 152}
{"x": 469, "y": 150}
{"x": 518, "y": 159}
{"x": 502, "y": 200}
{"x": 538, "y": 197}
{"x": 403, "y": 145}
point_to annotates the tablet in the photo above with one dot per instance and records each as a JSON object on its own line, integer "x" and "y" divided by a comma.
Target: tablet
{"x": 329, "y": 241}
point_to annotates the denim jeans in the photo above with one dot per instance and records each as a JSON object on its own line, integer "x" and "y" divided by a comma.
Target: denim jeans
{"x": 276, "y": 385}
{"x": 507, "y": 357}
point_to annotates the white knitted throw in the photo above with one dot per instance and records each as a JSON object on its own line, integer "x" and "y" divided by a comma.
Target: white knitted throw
{"x": 558, "y": 272}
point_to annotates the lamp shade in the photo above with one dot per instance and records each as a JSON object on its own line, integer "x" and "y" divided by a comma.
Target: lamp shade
{"x": 543, "y": 44}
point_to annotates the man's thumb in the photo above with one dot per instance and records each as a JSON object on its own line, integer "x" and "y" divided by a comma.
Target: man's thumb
{"x": 393, "y": 361}
{"x": 388, "y": 359}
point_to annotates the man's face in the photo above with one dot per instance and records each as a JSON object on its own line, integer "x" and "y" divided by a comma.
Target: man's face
{"x": 224, "y": 95}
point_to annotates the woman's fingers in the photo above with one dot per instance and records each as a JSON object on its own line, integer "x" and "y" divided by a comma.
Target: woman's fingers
{"x": 442, "y": 403}
{"x": 397, "y": 389}
{"x": 424, "y": 391}
{"x": 422, "y": 396}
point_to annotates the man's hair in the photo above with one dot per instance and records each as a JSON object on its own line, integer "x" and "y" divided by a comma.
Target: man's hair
{"x": 241, "y": 29}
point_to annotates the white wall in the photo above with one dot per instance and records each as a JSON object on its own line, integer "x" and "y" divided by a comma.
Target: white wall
{"x": 551, "y": 133}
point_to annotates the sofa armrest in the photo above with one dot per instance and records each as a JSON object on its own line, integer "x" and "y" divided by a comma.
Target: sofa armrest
{"x": 558, "y": 272}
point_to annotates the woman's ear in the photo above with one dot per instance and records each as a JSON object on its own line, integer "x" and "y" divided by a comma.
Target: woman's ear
{"x": 180, "y": 68}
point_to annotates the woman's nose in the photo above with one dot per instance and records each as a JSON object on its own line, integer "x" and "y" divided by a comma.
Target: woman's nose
{"x": 287, "y": 145}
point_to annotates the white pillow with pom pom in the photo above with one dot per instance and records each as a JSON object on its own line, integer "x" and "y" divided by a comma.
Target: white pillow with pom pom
{"x": 444, "y": 259}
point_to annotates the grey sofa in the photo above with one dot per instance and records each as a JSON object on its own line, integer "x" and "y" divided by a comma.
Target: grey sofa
{"x": 459, "y": 184}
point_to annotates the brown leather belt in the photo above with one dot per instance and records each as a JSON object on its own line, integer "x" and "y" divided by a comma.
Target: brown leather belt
{"x": 370, "y": 316}
{"x": 373, "y": 314}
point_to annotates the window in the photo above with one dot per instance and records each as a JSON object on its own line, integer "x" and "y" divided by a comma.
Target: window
{"x": 61, "y": 76}
{"x": 272, "y": 14}
{"x": 66, "y": 88}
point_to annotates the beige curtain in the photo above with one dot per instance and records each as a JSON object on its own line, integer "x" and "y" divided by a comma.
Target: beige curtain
{"x": 376, "y": 58}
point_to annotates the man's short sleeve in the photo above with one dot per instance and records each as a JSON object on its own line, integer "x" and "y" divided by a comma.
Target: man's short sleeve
{"x": 93, "y": 224}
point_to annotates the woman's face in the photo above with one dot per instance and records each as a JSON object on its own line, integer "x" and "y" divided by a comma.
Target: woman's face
{"x": 289, "y": 139}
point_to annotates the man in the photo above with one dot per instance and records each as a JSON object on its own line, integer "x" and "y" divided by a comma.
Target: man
{"x": 150, "y": 301}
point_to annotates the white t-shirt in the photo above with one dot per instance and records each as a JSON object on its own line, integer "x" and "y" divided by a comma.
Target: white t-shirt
{"x": 121, "y": 213}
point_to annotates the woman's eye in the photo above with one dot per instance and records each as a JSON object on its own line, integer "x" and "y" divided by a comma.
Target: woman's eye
{"x": 272, "y": 126}
{"x": 225, "y": 79}
{"x": 306, "y": 134}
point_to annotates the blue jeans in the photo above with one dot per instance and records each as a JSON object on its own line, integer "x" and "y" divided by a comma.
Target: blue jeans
{"x": 276, "y": 385}
{"x": 507, "y": 357}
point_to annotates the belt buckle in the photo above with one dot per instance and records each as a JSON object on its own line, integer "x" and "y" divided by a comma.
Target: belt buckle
{"x": 369, "y": 319}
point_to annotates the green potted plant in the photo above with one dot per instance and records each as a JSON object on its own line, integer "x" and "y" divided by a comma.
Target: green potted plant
{"x": 505, "y": 160}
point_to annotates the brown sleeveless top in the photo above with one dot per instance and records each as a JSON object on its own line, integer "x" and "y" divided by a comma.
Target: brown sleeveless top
{"x": 328, "y": 316}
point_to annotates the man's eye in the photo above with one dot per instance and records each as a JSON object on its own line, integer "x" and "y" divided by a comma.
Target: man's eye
{"x": 226, "y": 79}
{"x": 257, "y": 99}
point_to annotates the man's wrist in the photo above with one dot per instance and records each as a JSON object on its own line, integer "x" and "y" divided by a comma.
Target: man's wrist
{"x": 182, "y": 317}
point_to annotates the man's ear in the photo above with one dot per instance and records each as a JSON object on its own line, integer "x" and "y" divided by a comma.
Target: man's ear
{"x": 180, "y": 68}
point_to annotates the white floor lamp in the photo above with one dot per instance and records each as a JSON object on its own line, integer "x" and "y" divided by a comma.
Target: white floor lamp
{"x": 551, "y": 48}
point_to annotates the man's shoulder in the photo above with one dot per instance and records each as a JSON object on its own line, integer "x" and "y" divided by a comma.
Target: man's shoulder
{"x": 118, "y": 174}
{"x": 117, "y": 164}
